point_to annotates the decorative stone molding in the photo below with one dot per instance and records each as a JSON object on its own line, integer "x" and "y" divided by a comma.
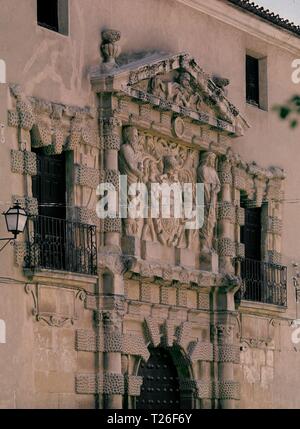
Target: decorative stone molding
{"x": 89, "y": 384}
{"x": 152, "y": 331}
{"x": 86, "y": 216}
{"x": 240, "y": 216}
{"x": 181, "y": 297}
{"x": 170, "y": 273}
{"x": 226, "y": 353}
{"x": 110, "y": 176}
{"x": 113, "y": 342}
{"x": 145, "y": 112}
{"x": 21, "y": 251}
{"x": 58, "y": 141}
{"x": 88, "y": 341}
{"x": 274, "y": 225}
{"x": 85, "y": 176}
{"x": 226, "y": 211}
{"x": 24, "y": 115}
{"x": 41, "y": 135}
{"x": 200, "y": 351}
{"x": 203, "y": 301}
{"x": 227, "y": 390}
{"x": 223, "y": 333}
{"x": 29, "y": 204}
{"x": 42, "y": 295}
{"x": 53, "y": 126}
{"x": 111, "y": 142}
{"x": 112, "y": 259}
{"x": 274, "y": 257}
{"x": 274, "y": 191}
{"x": 240, "y": 250}
{"x": 205, "y": 389}
{"x": 133, "y": 385}
{"x": 113, "y": 384}
{"x": 135, "y": 345}
{"x": 256, "y": 343}
{"x": 241, "y": 179}
{"x": 226, "y": 247}
{"x": 23, "y": 162}
{"x": 183, "y": 335}
{"x": 145, "y": 292}
{"x": 109, "y": 383}
{"x": 13, "y": 119}
{"x": 111, "y": 136}
{"x": 111, "y": 225}
{"x": 224, "y": 173}
{"x": 168, "y": 337}
{"x": 175, "y": 83}
{"x": 164, "y": 295}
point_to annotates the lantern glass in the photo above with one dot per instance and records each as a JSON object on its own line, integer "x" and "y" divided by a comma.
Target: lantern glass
{"x": 16, "y": 218}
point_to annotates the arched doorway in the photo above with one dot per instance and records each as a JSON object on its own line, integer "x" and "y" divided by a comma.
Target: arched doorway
{"x": 160, "y": 388}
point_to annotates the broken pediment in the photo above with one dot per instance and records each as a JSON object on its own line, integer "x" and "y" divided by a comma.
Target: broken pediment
{"x": 172, "y": 83}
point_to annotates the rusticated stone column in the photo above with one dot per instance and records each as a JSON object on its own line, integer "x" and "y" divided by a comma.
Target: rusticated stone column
{"x": 111, "y": 140}
{"x": 226, "y": 352}
{"x": 111, "y": 262}
{"x": 226, "y": 244}
{"x": 113, "y": 378}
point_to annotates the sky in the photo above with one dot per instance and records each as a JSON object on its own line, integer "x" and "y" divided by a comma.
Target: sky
{"x": 286, "y": 8}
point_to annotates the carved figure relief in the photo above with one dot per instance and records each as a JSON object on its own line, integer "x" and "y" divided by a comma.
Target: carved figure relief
{"x": 179, "y": 91}
{"x": 207, "y": 175}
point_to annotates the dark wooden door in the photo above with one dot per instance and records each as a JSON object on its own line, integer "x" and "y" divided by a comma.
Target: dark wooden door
{"x": 160, "y": 389}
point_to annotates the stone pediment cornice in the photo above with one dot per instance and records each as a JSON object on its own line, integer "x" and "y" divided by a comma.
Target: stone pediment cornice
{"x": 174, "y": 83}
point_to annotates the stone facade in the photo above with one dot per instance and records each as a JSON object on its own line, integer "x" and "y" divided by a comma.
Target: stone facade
{"x": 155, "y": 117}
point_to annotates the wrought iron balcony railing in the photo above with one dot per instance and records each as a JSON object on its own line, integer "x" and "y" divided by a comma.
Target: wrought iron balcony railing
{"x": 58, "y": 244}
{"x": 263, "y": 282}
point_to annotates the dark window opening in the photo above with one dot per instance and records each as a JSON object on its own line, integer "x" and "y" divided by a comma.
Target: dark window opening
{"x": 47, "y": 14}
{"x": 252, "y": 80}
{"x": 251, "y": 233}
{"x": 53, "y": 14}
{"x": 49, "y": 185}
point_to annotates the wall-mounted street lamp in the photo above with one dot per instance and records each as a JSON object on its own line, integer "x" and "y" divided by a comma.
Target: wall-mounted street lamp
{"x": 16, "y": 219}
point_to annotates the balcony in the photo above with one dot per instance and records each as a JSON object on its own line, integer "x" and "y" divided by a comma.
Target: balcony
{"x": 263, "y": 282}
{"x": 57, "y": 244}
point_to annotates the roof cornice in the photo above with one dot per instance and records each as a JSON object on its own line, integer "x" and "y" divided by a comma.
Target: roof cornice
{"x": 272, "y": 17}
{"x": 228, "y": 13}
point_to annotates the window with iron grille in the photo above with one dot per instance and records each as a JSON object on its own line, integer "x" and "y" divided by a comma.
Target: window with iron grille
{"x": 263, "y": 282}
{"x": 54, "y": 242}
{"x": 53, "y": 15}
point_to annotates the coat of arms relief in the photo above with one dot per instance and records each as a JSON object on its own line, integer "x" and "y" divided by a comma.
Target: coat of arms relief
{"x": 148, "y": 160}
